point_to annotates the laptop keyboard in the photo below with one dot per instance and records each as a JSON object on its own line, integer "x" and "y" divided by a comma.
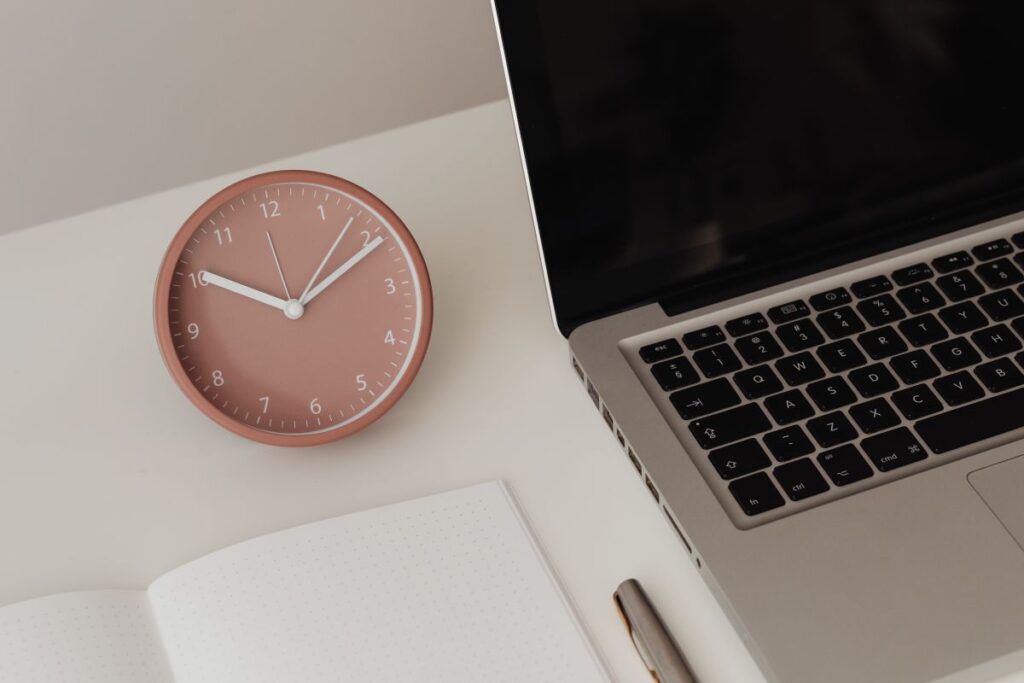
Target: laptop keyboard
{"x": 804, "y": 397}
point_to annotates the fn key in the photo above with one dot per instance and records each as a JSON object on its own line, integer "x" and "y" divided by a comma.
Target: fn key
{"x": 756, "y": 494}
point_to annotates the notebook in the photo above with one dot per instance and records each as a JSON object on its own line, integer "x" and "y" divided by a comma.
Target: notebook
{"x": 447, "y": 588}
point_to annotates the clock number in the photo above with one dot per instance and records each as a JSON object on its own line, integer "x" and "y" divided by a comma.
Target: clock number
{"x": 315, "y": 407}
{"x": 223, "y": 236}
{"x": 218, "y": 378}
{"x": 265, "y": 400}
{"x": 389, "y": 338}
{"x": 366, "y": 237}
{"x": 323, "y": 214}
{"x": 361, "y": 382}
{"x": 197, "y": 280}
{"x": 389, "y": 285}
{"x": 193, "y": 330}
{"x": 269, "y": 209}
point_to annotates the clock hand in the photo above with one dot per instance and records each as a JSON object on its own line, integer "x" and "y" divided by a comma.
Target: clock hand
{"x": 303, "y": 299}
{"x": 244, "y": 290}
{"x": 273, "y": 252}
{"x": 342, "y": 269}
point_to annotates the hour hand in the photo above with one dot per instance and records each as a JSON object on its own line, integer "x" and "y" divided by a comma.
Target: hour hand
{"x": 245, "y": 290}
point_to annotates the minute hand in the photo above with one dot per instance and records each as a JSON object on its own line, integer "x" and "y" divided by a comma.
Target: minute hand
{"x": 342, "y": 269}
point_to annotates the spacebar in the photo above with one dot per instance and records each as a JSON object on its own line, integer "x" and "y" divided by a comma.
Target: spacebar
{"x": 975, "y": 422}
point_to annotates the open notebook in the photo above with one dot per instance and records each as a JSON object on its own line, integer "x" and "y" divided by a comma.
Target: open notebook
{"x": 446, "y": 588}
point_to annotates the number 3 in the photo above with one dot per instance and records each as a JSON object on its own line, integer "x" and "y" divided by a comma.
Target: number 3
{"x": 389, "y": 285}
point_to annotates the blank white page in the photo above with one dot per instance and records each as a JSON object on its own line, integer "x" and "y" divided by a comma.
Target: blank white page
{"x": 88, "y": 637}
{"x": 445, "y": 589}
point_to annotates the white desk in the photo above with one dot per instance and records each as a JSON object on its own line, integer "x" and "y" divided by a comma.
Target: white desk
{"x": 109, "y": 477}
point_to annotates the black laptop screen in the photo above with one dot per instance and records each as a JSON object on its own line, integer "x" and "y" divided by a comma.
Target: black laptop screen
{"x": 683, "y": 152}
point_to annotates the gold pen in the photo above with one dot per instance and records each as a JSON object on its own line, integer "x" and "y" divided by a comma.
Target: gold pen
{"x": 655, "y": 645}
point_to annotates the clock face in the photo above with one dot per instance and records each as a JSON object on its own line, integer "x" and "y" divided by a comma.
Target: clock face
{"x": 293, "y": 308}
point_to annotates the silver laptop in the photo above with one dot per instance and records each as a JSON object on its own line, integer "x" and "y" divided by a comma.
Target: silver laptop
{"x": 783, "y": 241}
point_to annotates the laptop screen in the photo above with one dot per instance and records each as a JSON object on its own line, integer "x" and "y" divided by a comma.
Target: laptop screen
{"x": 684, "y": 152}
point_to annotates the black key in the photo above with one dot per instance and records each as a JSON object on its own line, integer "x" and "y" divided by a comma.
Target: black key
{"x": 799, "y": 335}
{"x": 652, "y": 353}
{"x": 871, "y": 286}
{"x": 800, "y": 479}
{"x": 951, "y": 262}
{"x": 882, "y": 343}
{"x": 675, "y": 374}
{"x": 914, "y": 367}
{"x": 799, "y": 369}
{"x": 955, "y": 354}
{"x": 739, "y": 458}
{"x": 732, "y": 425}
{"x": 991, "y": 250}
{"x": 831, "y": 393}
{"x": 788, "y": 407}
{"x": 1002, "y": 305}
{"x": 960, "y": 286}
{"x": 758, "y": 348}
{"x": 874, "y": 415}
{"x": 698, "y": 339}
{"x": 718, "y": 360}
{"x": 1019, "y": 260}
{"x": 982, "y": 420}
{"x": 788, "y": 443}
{"x": 841, "y": 356}
{"x": 873, "y": 380}
{"x": 755, "y": 322}
{"x": 787, "y": 312}
{"x": 923, "y": 330}
{"x": 1018, "y": 240}
{"x": 911, "y": 274}
{"x": 958, "y": 388}
{"x": 897, "y": 448}
{"x": 996, "y": 341}
{"x": 756, "y": 494}
{"x": 844, "y": 465}
{"x": 840, "y": 323}
{"x": 1018, "y": 326}
{"x": 963, "y": 317}
{"x": 999, "y": 273}
{"x": 881, "y": 310}
{"x": 999, "y": 375}
{"x": 921, "y": 298}
{"x": 916, "y": 402}
{"x": 757, "y": 382}
{"x": 702, "y": 399}
{"x": 830, "y": 299}
{"x": 831, "y": 430}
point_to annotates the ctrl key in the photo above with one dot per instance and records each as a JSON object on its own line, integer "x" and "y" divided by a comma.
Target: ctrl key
{"x": 756, "y": 494}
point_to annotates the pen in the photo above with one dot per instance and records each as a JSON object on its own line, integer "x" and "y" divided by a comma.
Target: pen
{"x": 655, "y": 645}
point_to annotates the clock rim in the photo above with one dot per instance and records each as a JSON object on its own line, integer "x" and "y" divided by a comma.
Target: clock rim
{"x": 161, "y": 317}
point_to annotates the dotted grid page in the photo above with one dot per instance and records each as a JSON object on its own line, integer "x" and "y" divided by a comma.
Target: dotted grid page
{"x": 444, "y": 589}
{"x": 89, "y": 637}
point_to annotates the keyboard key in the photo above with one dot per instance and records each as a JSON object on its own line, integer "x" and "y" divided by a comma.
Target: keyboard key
{"x": 758, "y": 348}
{"x": 787, "y": 312}
{"x": 718, "y": 360}
{"x": 914, "y": 367}
{"x": 923, "y": 330}
{"x": 698, "y": 339}
{"x": 874, "y": 415}
{"x": 831, "y": 429}
{"x": 991, "y": 250}
{"x": 799, "y": 369}
{"x": 830, "y": 299}
{"x": 1018, "y": 326}
{"x": 756, "y": 494}
{"x": 757, "y": 382}
{"x": 871, "y": 287}
{"x": 788, "y": 407}
{"x": 1018, "y": 240}
{"x": 788, "y": 443}
{"x": 831, "y": 393}
{"x": 881, "y": 310}
{"x": 951, "y": 262}
{"x": 873, "y": 380}
{"x": 882, "y": 342}
{"x": 960, "y": 286}
{"x": 842, "y": 322}
{"x": 703, "y": 399}
{"x": 739, "y": 459}
{"x": 893, "y": 449}
{"x": 982, "y": 420}
{"x": 963, "y": 317}
{"x": 731, "y": 425}
{"x": 920, "y": 298}
{"x": 999, "y": 273}
{"x": 912, "y": 274}
{"x": 755, "y": 322}
{"x": 916, "y": 402}
{"x": 958, "y": 388}
{"x": 675, "y": 374}
{"x": 955, "y": 354}
{"x": 799, "y": 335}
{"x": 841, "y": 356}
{"x": 1002, "y": 305}
{"x": 800, "y": 479}
{"x": 652, "y": 353}
{"x": 844, "y": 465}
{"x": 996, "y": 341}
{"x": 999, "y": 375}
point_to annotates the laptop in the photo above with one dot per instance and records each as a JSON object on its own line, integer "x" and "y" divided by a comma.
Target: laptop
{"x": 785, "y": 243}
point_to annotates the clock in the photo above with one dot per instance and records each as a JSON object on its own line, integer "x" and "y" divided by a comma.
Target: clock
{"x": 293, "y": 308}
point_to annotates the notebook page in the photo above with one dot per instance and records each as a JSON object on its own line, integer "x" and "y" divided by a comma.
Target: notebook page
{"x": 447, "y": 589}
{"x": 89, "y": 637}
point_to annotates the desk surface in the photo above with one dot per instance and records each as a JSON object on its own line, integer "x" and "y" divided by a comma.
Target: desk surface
{"x": 110, "y": 477}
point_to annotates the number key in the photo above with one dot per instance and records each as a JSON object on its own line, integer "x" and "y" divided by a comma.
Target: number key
{"x": 718, "y": 360}
{"x": 881, "y": 310}
{"x": 674, "y": 374}
{"x": 758, "y": 348}
{"x": 840, "y": 323}
{"x": 1000, "y": 273}
{"x": 960, "y": 286}
{"x": 920, "y": 298}
{"x": 799, "y": 335}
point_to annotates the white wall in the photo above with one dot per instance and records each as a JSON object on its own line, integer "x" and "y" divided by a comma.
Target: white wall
{"x": 107, "y": 100}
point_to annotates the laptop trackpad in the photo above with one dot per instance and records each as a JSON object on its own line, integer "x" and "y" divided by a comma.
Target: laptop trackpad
{"x": 1000, "y": 486}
